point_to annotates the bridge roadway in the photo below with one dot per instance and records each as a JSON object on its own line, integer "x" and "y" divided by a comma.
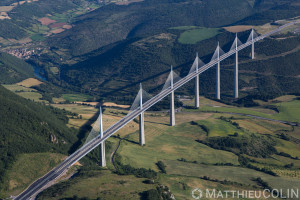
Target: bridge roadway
{"x": 77, "y": 155}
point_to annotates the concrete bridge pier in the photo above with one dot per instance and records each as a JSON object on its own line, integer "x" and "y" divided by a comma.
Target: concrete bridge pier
{"x": 102, "y": 145}
{"x": 252, "y": 46}
{"x": 218, "y": 85}
{"x": 236, "y": 71}
{"x": 172, "y": 104}
{"x": 141, "y": 120}
{"x": 197, "y": 84}
{"x": 142, "y": 130}
{"x": 252, "y": 51}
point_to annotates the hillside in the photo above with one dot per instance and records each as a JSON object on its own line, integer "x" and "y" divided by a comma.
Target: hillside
{"x": 13, "y": 69}
{"x": 28, "y": 127}
{"x": 270, "y": 11}
{"x": 117, "y": 71}
{"x": 153, "y": 35}
{"x": 113, "y": 23}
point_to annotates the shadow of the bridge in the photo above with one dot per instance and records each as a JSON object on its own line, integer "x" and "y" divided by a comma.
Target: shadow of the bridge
{"x": 83, "y": 132}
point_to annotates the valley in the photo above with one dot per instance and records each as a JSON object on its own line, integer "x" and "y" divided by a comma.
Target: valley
{"x": 61, "y": 61}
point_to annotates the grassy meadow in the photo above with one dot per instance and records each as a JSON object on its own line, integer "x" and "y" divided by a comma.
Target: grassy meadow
{"x": 30, "y": 167}
{"x": 192, "y": 34}
{"x": 76, "y": 97}
{"x": 26, "y": 92}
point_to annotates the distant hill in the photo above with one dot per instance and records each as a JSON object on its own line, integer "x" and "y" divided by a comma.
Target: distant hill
{"x": 113, "y": 23}
{"x": 13, "y": 69}
{"x": 270, "y": 11}
{"x": 23, "y": 18}
{"x": 28, "y": 127}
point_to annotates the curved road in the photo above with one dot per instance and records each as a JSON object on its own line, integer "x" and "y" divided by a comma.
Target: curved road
{"x": 77, "y": 155}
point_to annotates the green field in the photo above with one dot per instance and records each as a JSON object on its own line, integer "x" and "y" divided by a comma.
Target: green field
{"x": 194, "y": 35}
{"x": 181, "y": 186}
{"x": 15, "y": 87}
{"x": 39, "y": 28}
{"x": 28, "y": 168}
{"x": 289, "y": 111}
{"x": 37, "y": 37}
{"x": 234, "y": 110}
{"x": 172, "y": 143}
{"x": 104, "y": 184}
{"x": 76, "y": 97}
{"x": 219, "y": 127}
{"x": 32, "y": 96}
{"x": 288, "y": 147}
{"x": 27, "y": 93}
{"x": 236, "y": 174}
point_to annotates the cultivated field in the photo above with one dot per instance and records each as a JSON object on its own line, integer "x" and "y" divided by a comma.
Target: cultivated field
{"x": 46, "y": 21}
{"x": 26, "y": 92}
{"x": 30, "y": 82}
{"x": 237, "y": 29}
{"x": 194, "y": 34}
{"x": 76, "y": 97}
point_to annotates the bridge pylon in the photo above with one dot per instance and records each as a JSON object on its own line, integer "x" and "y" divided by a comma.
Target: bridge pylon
{"x": 252, "y": 46}
{"x": 218, "y": 84}
{"x": 197, "y": 84}
{"x": 236, "y": 70}
{"x": 172, "y": 104}
{"x": 102, "y": 162}
{"x": 141, "y": 120}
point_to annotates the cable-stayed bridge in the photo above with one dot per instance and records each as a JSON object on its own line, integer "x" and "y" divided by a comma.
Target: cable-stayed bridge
{"x": 141, "y": 105}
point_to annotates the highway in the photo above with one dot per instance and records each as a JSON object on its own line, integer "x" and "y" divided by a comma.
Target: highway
{"x": 84, "y": 150}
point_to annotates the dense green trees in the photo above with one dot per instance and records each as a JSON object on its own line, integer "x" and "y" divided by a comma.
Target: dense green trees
{"x": 161, "y": 166}
{"x": 252, "y": 145}
{"x": 160, "y": 193}
{"x": 13, "y": 69}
